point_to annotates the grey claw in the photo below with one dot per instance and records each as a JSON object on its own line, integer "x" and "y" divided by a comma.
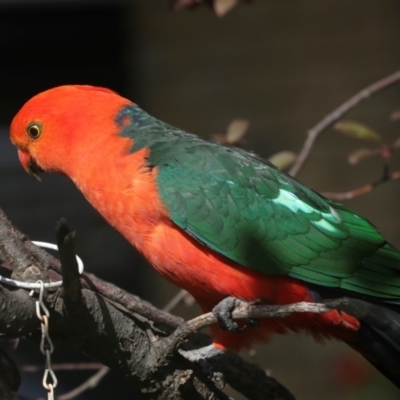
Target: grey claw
{"x": 223, "y": 313}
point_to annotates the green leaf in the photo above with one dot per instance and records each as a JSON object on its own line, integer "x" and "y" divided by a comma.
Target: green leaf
{"x": 357, "y": 130}
{"x": 221, "y": 7}
{"x": 283, "y": 159}
{"x": 360, "y": 155}
{"x": 236, "y": 130}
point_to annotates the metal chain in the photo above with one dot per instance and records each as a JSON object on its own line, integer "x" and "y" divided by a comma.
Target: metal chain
{"x": 46, "y": 345}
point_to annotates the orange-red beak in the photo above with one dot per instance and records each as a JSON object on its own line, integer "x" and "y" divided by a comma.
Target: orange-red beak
{"x": 29, "y": 164}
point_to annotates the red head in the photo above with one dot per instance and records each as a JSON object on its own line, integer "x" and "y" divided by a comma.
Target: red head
{"x": 61, "y": 126}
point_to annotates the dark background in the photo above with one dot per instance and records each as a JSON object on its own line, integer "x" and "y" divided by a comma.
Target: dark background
{"x": 283, "y": 65}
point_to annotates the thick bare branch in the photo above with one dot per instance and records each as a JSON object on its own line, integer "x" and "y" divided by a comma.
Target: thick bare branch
{"x": 113, "y": 327}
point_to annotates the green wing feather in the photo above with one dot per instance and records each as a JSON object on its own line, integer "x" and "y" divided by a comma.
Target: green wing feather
{"x": 244, "y": 208}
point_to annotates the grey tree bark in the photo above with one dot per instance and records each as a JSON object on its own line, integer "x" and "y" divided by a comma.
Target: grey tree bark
{"x": 118, "y": 329}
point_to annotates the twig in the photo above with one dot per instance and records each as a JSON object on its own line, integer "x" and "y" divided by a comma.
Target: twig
{"x": 130, "y": 302}
{"x": 62, "y": 367}
{"x": 337, "y": 114}
{"x": 246, "y": 311}
{"x": 90, "y": 383}
{"x": 363, "y": 189}
{"x": 249, "y": 311}
{"x": 175, "y": 300}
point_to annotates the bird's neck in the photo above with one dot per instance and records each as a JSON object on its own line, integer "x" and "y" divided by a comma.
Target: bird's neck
{"x": 122, "y": 187}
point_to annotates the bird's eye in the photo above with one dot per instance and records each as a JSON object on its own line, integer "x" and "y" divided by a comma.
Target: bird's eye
{"x": 34, "y": 130}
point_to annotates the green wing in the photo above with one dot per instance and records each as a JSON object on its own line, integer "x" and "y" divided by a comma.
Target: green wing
{"x": 246, "y": 209}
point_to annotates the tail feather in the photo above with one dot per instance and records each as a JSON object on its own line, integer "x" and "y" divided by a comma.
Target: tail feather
{"x": 380, "y": 350}
{"x": 378, "y": 338}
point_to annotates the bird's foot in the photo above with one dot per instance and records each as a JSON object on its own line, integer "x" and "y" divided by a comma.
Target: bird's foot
{"x": 223, "y": 313}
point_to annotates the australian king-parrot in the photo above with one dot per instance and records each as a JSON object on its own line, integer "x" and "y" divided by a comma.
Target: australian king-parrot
{"x": 219, "y": 221}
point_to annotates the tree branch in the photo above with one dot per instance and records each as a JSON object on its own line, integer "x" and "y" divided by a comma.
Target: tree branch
{"x": 335, "y": 115}
{"x": 119, "y": 330}
{"x": 351, "y": 194}
{"x": 69, "y": 266}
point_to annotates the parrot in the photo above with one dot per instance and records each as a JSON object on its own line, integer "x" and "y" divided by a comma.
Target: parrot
{"x": 219, "y": 221}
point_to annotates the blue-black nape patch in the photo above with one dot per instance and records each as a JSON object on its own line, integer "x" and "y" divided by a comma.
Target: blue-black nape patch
{"x": 129, "y": 115}
{"x": 145, "y": 130}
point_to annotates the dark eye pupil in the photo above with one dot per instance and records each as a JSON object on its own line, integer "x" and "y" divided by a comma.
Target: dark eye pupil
{"x": 34, "y": 131}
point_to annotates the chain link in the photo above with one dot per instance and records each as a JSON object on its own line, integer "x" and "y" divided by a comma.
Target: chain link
{"x": 46, "y": 345}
